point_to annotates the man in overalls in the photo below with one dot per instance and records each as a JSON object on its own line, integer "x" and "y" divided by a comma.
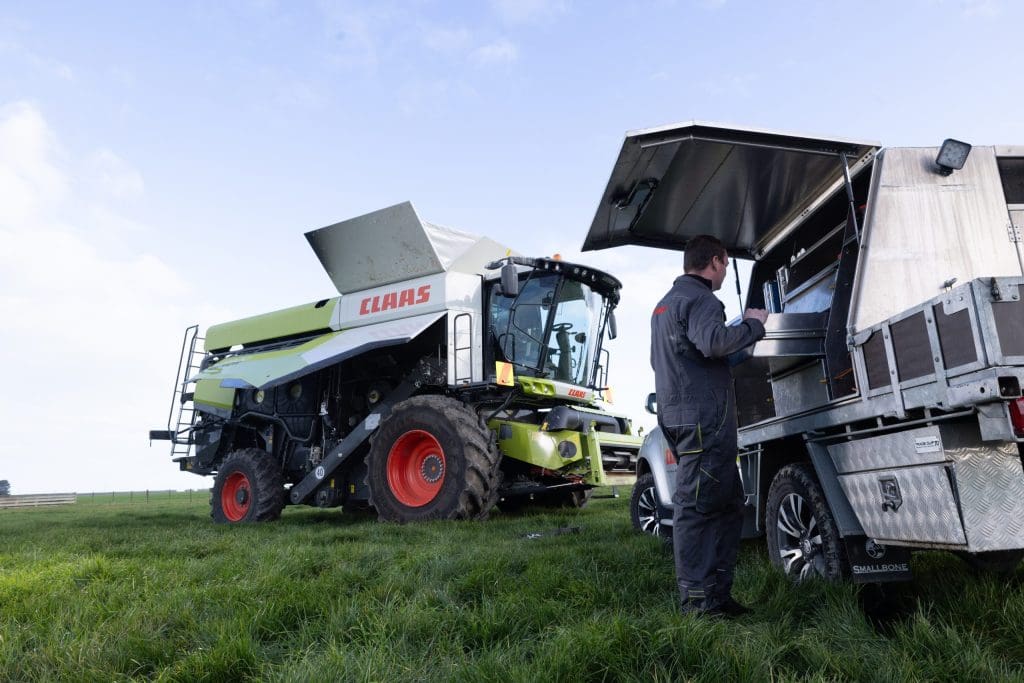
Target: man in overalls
{"x": 690, "y": 345}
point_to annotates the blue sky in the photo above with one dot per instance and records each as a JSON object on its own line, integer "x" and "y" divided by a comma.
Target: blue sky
{"x": 159, "y": 162}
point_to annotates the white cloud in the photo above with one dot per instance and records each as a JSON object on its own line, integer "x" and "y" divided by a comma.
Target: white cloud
{"x": 48, "y": 67}
{"x": 29, "y": 183}
{"x": 502, "y": 51}
{"x": 90, "y": 333}
{"x": 114, "y": 176}
{"x": 529, "y": 11}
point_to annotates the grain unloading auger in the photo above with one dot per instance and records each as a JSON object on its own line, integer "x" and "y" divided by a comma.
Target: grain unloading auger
{"x": 448, "y": 377}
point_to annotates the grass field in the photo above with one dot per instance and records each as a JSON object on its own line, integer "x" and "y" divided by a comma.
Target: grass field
{"x": 156, "y": 591}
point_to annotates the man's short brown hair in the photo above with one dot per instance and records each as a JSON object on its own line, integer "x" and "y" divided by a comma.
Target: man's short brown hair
{"x": 699, "y": 252}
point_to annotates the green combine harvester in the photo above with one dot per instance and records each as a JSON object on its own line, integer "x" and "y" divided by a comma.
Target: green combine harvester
{"x": 448, "y": 377}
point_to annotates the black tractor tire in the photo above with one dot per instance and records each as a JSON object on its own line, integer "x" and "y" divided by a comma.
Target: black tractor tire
{"x": 997, "y": 562}
{"x": 249, "y": 487}
{"x": 433, "y": 458}
{"x": 644, "y": 510}
{"x": 803, "y": 540}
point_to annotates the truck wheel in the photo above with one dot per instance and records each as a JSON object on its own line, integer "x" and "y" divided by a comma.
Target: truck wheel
{"x": 433, "y": 458}
{"x": 803, "y": 540}
{"x": 999, "y": 562}
{"x": 248, "y": 487}
{"x": 643, "y": 506}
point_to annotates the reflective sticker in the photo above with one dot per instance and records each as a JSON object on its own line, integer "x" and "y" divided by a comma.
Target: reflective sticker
{"x": 505, "y": 375}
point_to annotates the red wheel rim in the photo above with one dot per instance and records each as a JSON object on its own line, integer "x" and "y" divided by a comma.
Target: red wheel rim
{"x": 416, "y": 468}
{"x": 236, "y": 497}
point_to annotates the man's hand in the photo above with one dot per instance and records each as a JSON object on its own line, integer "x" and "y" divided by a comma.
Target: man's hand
{"x": 757, "y": 314}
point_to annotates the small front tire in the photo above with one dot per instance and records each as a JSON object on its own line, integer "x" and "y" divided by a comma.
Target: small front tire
{"x": 249, "y": 487}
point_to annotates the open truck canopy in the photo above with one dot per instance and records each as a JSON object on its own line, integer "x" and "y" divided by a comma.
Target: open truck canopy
{"x": 745, "y": 186}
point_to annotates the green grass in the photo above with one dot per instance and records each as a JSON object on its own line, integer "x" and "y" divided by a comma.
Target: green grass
{"x": 156, "y": 591}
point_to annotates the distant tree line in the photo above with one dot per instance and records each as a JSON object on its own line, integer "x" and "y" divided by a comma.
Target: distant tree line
{"x": 5, "y": 487}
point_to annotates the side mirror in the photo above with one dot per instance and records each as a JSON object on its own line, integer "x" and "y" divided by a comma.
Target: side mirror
{"x": 613, "y": 329}
{"x": 509, "y": 281}
{"x": 652, "y": 403}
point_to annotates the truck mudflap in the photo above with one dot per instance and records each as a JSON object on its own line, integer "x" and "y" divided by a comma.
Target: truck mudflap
{"x": 873, "y": 562}
{"x": 265, "y": 369}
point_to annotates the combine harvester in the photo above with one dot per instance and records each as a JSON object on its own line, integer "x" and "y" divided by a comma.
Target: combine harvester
{"x": 449, "y": 376}
{"x": 883, "y": 411}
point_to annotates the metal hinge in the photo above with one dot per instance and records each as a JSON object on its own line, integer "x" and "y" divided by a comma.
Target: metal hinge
{"x": 1013, "y": 232}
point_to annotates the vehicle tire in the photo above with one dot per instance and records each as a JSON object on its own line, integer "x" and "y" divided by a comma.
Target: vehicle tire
{"x": 249, "y": 487}
{"x": 644, "y": 510}
{"x": 803, "y": 540}
{"x": 433, "y": 458}
{"x": 998, "y": 562}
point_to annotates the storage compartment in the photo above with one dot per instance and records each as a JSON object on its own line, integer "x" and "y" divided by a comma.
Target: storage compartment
{"x": 907, "y": 504}
{"x": 938, "y": 485}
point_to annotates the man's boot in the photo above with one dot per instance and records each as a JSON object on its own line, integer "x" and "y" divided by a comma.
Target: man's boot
{"x": 731, "y": 609}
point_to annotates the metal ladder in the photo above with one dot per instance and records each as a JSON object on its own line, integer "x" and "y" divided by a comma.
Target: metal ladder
{"x": 182, "y": 415}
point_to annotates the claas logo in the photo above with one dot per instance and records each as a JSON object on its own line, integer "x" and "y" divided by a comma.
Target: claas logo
{"x": 392, "y": 300}
{"x": 577, "y": 393}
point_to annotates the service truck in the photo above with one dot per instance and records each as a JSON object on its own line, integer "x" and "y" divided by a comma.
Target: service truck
{"x": 882, "y": 413}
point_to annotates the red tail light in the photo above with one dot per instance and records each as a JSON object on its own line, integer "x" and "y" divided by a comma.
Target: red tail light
{"x": 1017, "y": 417}
{"x": 670, "y": 457}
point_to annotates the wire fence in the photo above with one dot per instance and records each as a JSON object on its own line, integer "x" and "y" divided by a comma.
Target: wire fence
{"x": 146, "y": 496}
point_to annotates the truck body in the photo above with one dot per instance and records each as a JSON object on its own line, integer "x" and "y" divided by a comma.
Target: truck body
{"x": 448, "y": 376}
{"x": 882, "y": 412}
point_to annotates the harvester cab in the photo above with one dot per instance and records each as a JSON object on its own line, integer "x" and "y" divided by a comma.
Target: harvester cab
{"x": 553, "y": 324}
{"x": 450, "y": 375}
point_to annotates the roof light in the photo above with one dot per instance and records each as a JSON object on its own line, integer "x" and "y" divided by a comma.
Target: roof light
{"x": 952, "y": 156}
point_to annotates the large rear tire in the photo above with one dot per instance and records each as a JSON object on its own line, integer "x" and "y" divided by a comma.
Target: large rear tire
{"x": 803, "y": 540}
{"x": 249, "y": 487}
{"x": 433, "y": 458}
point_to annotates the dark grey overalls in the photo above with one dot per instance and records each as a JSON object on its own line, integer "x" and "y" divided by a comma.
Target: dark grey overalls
{"x": 697, "y": 414}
